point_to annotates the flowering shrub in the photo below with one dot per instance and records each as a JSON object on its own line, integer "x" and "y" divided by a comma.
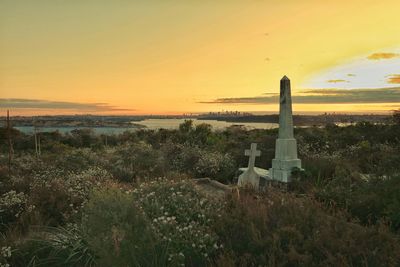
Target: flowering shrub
{"x": 133, "y": 160}
{"x": 5, "y": 254}
{"x": 12, "y": 204}
{"x": 118, "y": 232}
{"x": 181, "y": 218}
{"x": 214, "y": 165}
{"x": 181, "y": 157}
{"x": 76, "y": 160}
{"x": 58, "y": 195}
{"x": 200, "y": 162}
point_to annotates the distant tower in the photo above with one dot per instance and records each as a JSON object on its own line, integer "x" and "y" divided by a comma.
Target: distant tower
{"x": 286, "y": 146}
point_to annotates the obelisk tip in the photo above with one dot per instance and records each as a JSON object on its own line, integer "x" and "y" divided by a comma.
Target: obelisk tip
{"x": 285, "y": 78}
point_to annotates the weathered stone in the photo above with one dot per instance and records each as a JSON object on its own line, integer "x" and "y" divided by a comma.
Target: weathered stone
{"x": 250, "y": 176}
{"x": 286, "y": 146}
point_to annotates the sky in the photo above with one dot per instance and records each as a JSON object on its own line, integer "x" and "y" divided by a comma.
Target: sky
{"x": 184, "y": 56}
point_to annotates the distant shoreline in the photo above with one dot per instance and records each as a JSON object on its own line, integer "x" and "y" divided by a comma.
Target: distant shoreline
{"x": 303, "y": 120}
{"x": 132, "y": 122}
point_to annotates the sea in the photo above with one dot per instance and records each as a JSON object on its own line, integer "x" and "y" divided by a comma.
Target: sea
{"x": 152, "y": 124}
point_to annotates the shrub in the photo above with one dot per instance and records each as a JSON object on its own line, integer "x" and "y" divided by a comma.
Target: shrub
{"x": 119, "y": 233}
{"x": 54, "y": 247}
{"x": 12, "y": 205}
{"x": 182, "y": 219}
{"x": 279, "y": 229}
{"x": 199, "y": 162}
{"x": 58, "y": 196}
{"x": 215, "y": 165}
{"x": 5, "y": 255}
{"x": 133, "y": 160}
{"x": 74, "y": 160}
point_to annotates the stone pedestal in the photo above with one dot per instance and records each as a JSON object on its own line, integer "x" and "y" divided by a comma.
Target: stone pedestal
{"x": 249, "y": 178}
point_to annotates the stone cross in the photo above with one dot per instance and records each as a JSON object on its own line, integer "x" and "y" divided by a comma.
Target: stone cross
{"x": 249, "y": 176}
{"x": 252, "y": 153}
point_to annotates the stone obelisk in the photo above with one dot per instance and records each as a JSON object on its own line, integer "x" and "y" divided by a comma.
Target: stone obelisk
{"x": 286, "y": 146}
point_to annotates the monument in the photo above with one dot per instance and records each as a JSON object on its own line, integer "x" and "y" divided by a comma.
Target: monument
{"x": 286, "y": 146}
{"x": 250, "y": 176}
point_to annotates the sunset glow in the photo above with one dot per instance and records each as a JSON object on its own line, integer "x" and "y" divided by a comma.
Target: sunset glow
{"x": 173, "y": 57}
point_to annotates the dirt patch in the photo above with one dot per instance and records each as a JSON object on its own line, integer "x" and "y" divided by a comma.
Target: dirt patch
{"x": 212, "y": 188}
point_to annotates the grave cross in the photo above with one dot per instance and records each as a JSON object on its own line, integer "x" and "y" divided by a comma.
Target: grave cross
{"x": 252, "y": 153}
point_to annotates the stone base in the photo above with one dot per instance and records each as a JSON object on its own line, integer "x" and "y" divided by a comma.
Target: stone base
{"x": 280, "y": 175}
{"x": 263, "y": 173}
{"x": 285, "y": 164}
{"x": 249, "y": 178}
{"x": 285, "y": 160}
{"x": 282, "y": 169}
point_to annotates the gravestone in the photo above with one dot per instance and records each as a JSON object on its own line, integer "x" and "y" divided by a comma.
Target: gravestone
{"x": 250, "y": 176}
{"x": 286, "y": 146}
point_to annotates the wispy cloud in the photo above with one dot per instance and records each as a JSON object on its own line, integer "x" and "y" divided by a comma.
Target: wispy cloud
{"x": 337, "y": 81}
{"x": 394, "y": 79}
{"x": 323, "y": 96}
{"x": 21, "y": 103}
{"x": 379, "y": 56}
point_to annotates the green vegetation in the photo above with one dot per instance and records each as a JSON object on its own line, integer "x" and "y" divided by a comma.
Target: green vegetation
{"x": 128, "y": 199}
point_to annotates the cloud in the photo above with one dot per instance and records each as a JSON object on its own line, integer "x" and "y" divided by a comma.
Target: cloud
{"x": 323, "y": 96}
{"x": 337, "y": 81}
{"x": 271, "y": 94}
{"x": 394, "y": 79}
{"x": 21, "y": 103}
{"x": 393, "y": 106}
{"x": 379, "y": 56}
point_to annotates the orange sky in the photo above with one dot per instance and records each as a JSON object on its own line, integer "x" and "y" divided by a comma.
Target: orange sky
{"x": 162, "y": 57}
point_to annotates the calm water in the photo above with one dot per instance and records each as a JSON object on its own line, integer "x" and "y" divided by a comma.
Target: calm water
{"x": 152, "y": 124}
{"x": 217, "y": 125}
{"x": 97, "y": 130}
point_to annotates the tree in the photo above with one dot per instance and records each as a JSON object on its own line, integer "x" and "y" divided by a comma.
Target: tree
{"x": 186, "y": 126}
{"x": 396, "y": 116}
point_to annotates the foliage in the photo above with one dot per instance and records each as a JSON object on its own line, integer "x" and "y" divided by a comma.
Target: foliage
{"x": 182, "y": 219}
{"x": 134, "y": 160}
{"x": 119, "y": 233}
{"x": 69, "y": 192}
{"x": 5, "y": 255}
{"x": 396, "y": 116}
{"x": 336, "y": 213}
{"x": 280, "y": 229}
{"x": 61, "y": 247}
{"x": 12, "y": 205}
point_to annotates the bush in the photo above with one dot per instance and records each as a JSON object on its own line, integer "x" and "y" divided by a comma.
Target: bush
{"x": 182, "y": 218}
{"x": 134, "y": 160}
{"x": 12, "y": 205}
{"x": 5, "y": 255}
{"x": 119, "y": 233}
{"x": 199, "y": 162}
{"x": 74, "y": 160}
{"x": 215, "y": 165}
{"x": 54, "y": 247}
{"x": 279, "y": 229}
{"x": 58, "y": 196}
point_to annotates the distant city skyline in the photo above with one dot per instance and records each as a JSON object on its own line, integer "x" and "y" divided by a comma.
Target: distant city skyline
{"x": 174, "y": 57}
